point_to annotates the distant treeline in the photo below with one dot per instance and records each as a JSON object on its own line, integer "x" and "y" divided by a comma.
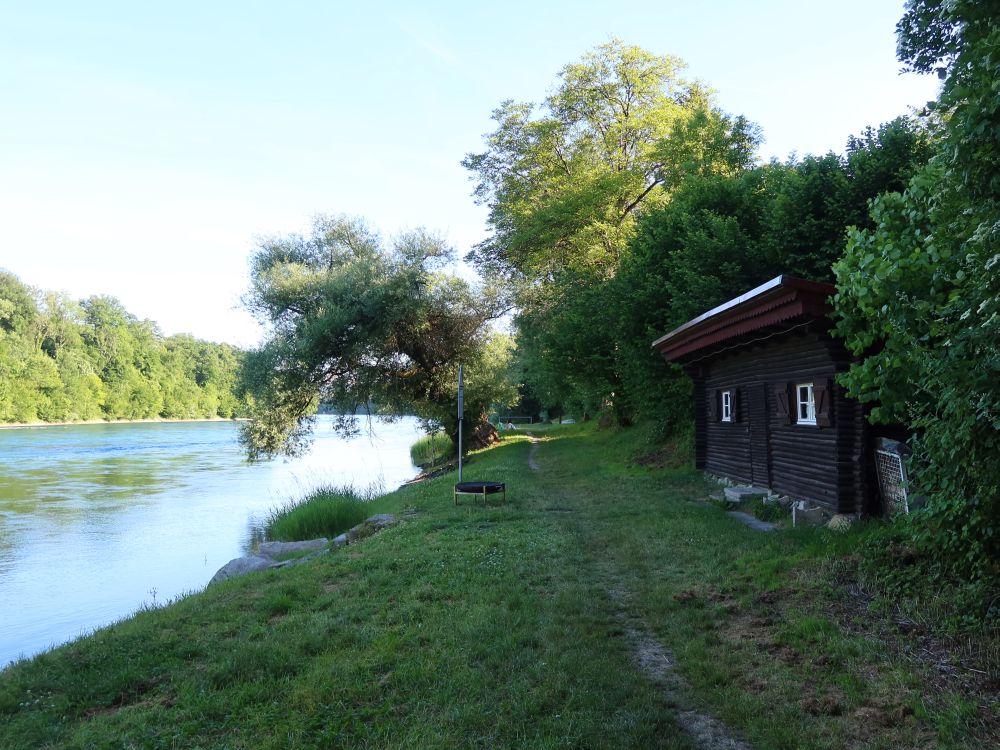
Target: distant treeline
{"x": 64, "y": 360}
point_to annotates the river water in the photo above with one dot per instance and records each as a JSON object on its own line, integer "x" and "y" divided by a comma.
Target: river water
{"x": 97, "y": 521}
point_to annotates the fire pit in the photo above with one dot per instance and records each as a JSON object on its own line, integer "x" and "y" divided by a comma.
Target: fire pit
{"x": 481, "y": 489}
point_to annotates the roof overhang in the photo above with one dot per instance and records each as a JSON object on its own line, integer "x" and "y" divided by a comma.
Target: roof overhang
{"x": 781, "y": 299}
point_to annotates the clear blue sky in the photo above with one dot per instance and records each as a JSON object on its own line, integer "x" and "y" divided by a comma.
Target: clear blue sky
{"x": 143, "y": 146}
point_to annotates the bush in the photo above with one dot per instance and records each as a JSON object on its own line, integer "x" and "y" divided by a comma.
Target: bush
{"x": 921, "y": 583}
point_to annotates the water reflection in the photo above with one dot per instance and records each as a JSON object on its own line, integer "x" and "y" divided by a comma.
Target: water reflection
{"x": 92, "y": 518}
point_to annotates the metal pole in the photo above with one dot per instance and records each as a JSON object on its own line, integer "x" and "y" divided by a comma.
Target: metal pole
{"x": 461, "y": 399}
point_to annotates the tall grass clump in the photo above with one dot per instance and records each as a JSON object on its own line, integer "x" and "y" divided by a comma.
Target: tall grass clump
{"x": 431, "y": 450}
{"x": 325, "y": 511}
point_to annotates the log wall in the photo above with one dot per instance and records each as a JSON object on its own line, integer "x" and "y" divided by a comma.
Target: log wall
{"x": 824, "y": 464}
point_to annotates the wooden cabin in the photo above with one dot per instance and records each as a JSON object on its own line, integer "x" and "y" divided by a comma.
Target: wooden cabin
{"x": 768, "y": 411}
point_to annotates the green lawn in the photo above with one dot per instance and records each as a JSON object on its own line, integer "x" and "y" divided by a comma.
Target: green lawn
{"x": 511, "y": 626}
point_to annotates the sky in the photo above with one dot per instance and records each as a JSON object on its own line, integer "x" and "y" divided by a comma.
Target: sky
{"x": 146, "y": 147}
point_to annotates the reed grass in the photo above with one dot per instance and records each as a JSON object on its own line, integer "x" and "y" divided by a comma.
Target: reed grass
{"x": 326, "y": 511}
{"x": 432, "y": 449}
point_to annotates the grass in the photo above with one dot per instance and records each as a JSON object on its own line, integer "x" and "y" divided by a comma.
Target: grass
{"x": 431, "y": 450}
{"x": 495, "y": 627}
{"x": 771, "y": 512}
{"x": 323, "y": 512}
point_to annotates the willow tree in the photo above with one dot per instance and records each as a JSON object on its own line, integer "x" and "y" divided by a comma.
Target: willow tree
{"x": 565, "y": 181}
{"x": 366, "y": 328}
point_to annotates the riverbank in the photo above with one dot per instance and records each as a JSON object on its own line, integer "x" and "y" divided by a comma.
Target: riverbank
{"x": 106, "y": 519}
{"x": 163, "y": 420}
{"x": 603, "y": 606}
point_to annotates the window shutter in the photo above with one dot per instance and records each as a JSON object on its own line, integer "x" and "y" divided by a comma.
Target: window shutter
{"x": 713, "y": 406}
{"x": 822, "y": 397}
{"x": 782, "y": 408}
{"x": 736, "y": 404}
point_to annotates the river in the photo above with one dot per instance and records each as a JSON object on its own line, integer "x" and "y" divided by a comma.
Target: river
{"x": 97, "y": 521}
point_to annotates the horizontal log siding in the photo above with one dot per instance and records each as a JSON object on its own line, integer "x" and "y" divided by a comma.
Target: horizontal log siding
{"x": 825, "y": 465}
{"x": 758, "y": 417}
{"x": 855, "y": 457}
{"x": 700, "y": 418}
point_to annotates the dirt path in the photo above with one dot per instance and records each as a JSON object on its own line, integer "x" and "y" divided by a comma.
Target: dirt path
{"x": 659, "y": 666}
{"x": 533, "y": 453}
{"x": 657, "y": 663}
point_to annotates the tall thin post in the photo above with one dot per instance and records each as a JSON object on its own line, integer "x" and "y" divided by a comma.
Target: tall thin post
{"x": 461, "y": 400}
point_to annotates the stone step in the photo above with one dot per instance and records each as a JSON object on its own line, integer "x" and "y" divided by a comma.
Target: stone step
{"x": 754, "y": 523}
{"x": 745, "y": 494}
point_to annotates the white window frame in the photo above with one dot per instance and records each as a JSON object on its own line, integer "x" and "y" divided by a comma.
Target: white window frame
{"x": 805, "y": 407}
{"x": 727, "y": 406}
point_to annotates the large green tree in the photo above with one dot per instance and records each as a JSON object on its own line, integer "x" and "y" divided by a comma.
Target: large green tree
{"x": 355, "y": 323}
{"x": 565, "y": 183}
{"x": 919, "y": 293}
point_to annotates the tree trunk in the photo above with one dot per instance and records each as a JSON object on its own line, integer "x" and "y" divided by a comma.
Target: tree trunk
{"x": 476, "y": 434}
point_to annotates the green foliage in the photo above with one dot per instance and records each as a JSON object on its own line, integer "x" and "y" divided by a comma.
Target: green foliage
{"x": 722, "y": 235}
{"x": 65, "y": 361}
{"x": 566, "y": 183}
{"x": 918, "y": 580}
{"x": 627, "y": 204}
{"x": 323, "y": 512}
{"x": 354, "y": 323}
{"x": 619, "y": 132}
{"x": 919, "y": 293}
{"x": 770, "y": 512}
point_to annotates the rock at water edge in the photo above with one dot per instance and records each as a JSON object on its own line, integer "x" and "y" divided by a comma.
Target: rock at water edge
{"x": 241, "y": 566}
{"x": 276, "y": 549}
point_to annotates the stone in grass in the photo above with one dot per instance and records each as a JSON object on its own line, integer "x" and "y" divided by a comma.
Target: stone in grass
{"x": 268, "y": 551}
{"x": 277, "y": 549}
{"x": 752, "y": 521}
{"x": 241, "y": 566}
{"x": 368, "y": 527}
{"x": 840, "y": 522}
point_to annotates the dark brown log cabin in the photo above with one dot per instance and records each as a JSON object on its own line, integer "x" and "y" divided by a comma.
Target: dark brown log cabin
{"x": 768, "y": 411}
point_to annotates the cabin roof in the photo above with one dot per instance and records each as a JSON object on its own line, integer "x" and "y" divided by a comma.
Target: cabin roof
{"x": 781, "y": 299}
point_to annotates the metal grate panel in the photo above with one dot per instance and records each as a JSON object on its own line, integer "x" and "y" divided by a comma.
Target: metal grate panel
{"x": 892, "y": 481}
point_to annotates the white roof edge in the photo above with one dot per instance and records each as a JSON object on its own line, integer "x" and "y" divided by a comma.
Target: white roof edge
{"x": 756, "y": 291}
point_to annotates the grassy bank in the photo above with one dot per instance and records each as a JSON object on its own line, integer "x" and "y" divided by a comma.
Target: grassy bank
{"x": 514, "y": 626}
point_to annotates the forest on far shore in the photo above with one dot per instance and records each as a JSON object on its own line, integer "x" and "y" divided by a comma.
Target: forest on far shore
{"x": 63, "y": 360}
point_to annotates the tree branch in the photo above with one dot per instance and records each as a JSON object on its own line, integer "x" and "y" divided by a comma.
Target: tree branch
{"x": 631, "y": 206}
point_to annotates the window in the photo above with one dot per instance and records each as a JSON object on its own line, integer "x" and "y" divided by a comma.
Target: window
{"x": 805, "y": 411}
{"x": 727, "y": 406}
